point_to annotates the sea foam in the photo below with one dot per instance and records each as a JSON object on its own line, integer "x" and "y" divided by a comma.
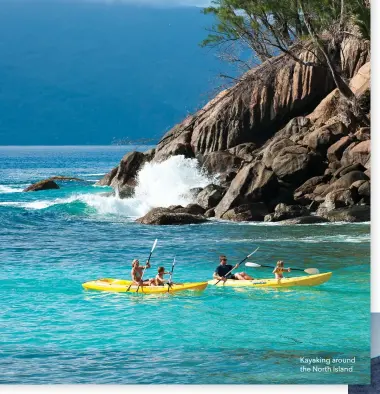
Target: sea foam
{"x": 10, "y": 189}
{"x": 158, "y": 185}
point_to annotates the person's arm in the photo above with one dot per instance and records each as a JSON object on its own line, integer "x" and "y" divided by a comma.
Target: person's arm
{"x": 275, "y": 271}
{"x": 147, "y": 265}
{"x": 159, "y": 281}
{"x": 218, "y": 277}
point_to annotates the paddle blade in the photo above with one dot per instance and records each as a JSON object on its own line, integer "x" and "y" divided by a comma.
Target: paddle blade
{"x": 154, "y": 245}
{"x": 312, "y": 271}
{"x": 252, "y": 265}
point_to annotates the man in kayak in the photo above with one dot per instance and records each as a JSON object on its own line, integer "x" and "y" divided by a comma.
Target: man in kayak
{"x": 223, "y": 269}
{"x": 137, "y": 273}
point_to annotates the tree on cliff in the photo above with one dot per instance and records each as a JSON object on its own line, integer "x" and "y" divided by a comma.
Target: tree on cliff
{"x": 265, "y": 28}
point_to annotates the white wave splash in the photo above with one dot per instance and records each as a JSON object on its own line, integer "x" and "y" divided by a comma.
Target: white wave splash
{"x": 158, "y": 185}
{"x": 10, "y": 189}
{"x": 39, "y": 204}
{"x": 97, "y": 174}
{"x": 337, "y": 238}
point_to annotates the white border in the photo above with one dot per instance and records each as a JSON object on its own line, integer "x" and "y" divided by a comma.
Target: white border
{"x": 175, "y": 389}
{"x": 375, "y": 275}
{"x": 375, "y": 160}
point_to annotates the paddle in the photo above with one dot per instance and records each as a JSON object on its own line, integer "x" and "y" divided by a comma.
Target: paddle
{"x": 310, "y": 271}
{"x": 241, "y": 262}
{"x": 171, "y": 276}
{"x": 150, "y": 255}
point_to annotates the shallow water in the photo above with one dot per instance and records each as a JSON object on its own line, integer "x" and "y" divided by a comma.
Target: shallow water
{"x": 52, "y": 331}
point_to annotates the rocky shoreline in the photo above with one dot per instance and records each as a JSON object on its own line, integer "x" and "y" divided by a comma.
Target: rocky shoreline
{"x": 283, "y": 144}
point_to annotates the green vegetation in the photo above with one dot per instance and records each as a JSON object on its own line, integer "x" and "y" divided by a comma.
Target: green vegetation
{"x": 267, "y": 27}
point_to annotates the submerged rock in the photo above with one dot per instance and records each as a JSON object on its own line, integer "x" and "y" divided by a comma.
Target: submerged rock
{"x": 357, "y": 213}
{"x": 305, "y": 220}
{"x": 163, "y": 216}
{"x": 50, "y": 183}
{"x": 46, "y": 184}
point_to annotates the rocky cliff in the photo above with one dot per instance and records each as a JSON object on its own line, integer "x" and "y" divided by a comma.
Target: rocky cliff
{"x": 283, "y": 142}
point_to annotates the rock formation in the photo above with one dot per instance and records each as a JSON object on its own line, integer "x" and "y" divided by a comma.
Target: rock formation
{"x": 166, "y": 216}
{"x": 123, "y": 177}
{"x": 45, "y": 184}
{"x": 50, "y": 183}
{"x": 283, "y": 143}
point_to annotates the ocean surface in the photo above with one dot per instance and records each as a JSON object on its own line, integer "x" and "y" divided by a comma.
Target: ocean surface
{"x": 52, "y": 331}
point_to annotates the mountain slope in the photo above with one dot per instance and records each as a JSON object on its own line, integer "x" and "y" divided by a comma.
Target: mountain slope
{"x": 88, "y": 73}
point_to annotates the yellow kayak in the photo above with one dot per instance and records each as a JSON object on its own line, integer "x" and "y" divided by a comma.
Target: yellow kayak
{"x": 311, "y": 280}
{"x": 124, "y": 286}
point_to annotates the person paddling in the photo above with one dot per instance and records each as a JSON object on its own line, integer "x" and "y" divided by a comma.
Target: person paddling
{"x": 137, "y": 272}
{"x": 159, "y": 279}
{"x": 222, "y": 270}
{"x": 279, "y": 270}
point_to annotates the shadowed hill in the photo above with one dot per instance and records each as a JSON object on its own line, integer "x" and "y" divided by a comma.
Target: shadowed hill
{"x": 89, "y": 73}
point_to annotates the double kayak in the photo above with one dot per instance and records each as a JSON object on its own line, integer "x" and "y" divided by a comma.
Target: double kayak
{"x": 311, "y": 280}
{"x": 125, "y": 286}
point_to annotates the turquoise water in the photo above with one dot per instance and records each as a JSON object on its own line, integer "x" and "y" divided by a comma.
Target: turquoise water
{"x": 52, "y": 331}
